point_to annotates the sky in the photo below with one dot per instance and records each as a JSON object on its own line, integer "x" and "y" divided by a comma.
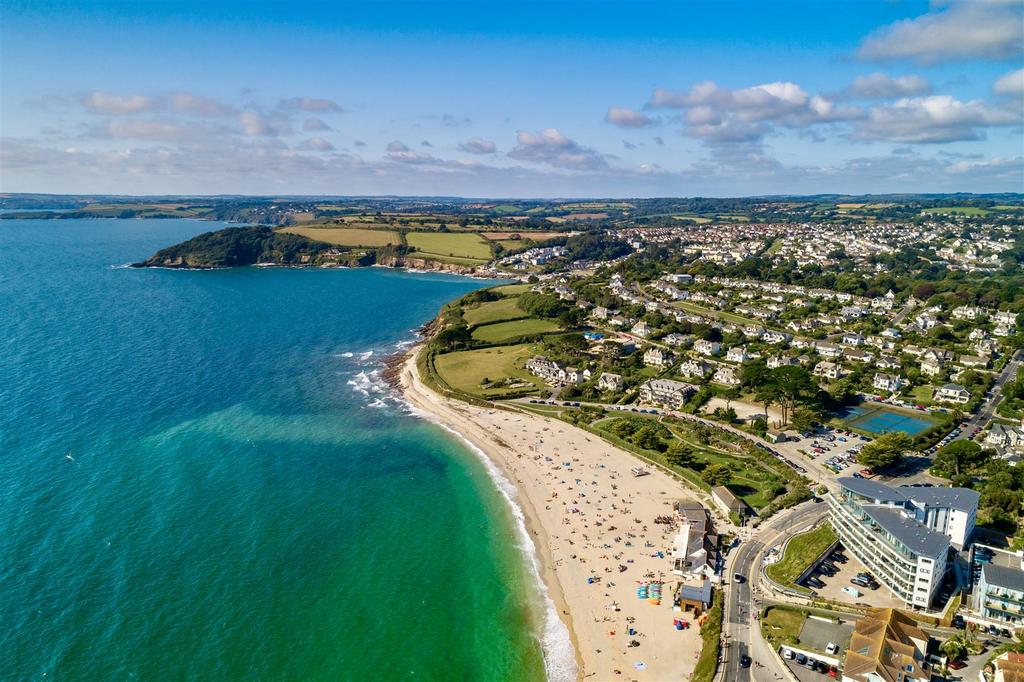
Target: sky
{"x": 488, "y": 99}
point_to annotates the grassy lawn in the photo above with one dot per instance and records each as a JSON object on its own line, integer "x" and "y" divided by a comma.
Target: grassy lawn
{"x": 467, "y": 245}
{"x": 493, "y": 311}
{"x": 800, "y": 552}
{"x": 512, "y": 289}
{"x": 782, "y": 625}
{"x": 466, "y": 370}
{"x": 923, "y": 394}
{"x": 500, "y": 331}
{"x": 346, "y": 236}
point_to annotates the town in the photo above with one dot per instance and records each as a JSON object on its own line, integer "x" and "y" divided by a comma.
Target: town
{"x": 865, "y": 378}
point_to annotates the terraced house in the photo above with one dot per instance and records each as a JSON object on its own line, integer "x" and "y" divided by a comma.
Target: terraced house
{"x": 903, "y": 535}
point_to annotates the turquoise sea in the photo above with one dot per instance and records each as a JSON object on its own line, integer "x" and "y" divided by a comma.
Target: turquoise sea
{"x": 204, "y": 479}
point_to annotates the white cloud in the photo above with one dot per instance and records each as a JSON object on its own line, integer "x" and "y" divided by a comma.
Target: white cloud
{"x": 145, "y": 129}
{"x": 316, "y": 144}
{"x": 311, "y": 104}
{"x": 197, "y": 105}
{"x": 625, "y": 117}
{"x": 258, "y": 124}
{"x": 104, "y": 103}
{"x": 965, "y": 30}
{"x": 315, "y": 125}
{"x": 721, "y": 115}
{"x": 551, "y": 147}
{"x": 939, "y": 118}
{"x": 477, "y": 145}
{"x": 1010, "y": 85}
{"x": 881, "y": 86}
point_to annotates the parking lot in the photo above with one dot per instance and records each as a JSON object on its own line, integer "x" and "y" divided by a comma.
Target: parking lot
{"x": 835, "y": 584}
{"x": 818, "y": 633}
{"x": 834, "y": 457}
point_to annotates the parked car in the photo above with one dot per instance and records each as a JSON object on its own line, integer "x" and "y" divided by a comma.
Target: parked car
{"x": 831, "y": 648}
{"x": 788, "y": 654}
{"x": 957, "y": 664}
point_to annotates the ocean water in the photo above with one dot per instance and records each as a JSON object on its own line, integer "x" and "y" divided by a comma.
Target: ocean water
{"x": 203, "y": 478}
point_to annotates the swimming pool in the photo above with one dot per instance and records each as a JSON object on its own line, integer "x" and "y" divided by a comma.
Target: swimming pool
{"x": 879, "y": 420}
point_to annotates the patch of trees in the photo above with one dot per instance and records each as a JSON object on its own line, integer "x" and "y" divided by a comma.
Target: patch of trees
{"x": 541, "y": 305}
{"x": 885, "y": 450}
{"x": 236, "y": 246}
{"x": 595, "y": 246}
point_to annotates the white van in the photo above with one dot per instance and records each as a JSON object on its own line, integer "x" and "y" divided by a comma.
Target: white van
{"x": 852, "y": 591}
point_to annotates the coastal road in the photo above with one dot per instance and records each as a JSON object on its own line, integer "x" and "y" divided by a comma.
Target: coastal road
{"x": 741, "y": 631}
{"x": 988, "y": 407}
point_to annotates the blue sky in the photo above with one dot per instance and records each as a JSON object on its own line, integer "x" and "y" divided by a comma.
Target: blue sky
{"x": 512, "y": 99}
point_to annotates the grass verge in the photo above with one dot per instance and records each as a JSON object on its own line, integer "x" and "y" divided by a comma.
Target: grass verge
{"x": 801, "y": 550}
{"x": 711, "y": 637}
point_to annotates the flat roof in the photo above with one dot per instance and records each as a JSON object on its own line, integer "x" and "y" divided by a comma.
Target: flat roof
{"x": 1004, "y": 576}
{"x": 917, "y": 537}
{"x": 961, "y": 499}
{"x": 872, "y": 489}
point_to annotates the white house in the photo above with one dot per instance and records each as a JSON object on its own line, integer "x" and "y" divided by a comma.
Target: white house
{"x": 695, "y": 368}
{"x": 737, "y": 354}
{"x": 887, "y": 382}
{"x": 952, "y": 393}
{"x": 656, "y": 357}
{"x": 829, "y": 370}
{"x": 609, "y": 382}
{"x": 727, "y": 375}
{"x": 709, "y": 348}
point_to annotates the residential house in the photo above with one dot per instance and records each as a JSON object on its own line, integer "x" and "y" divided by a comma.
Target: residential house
{"x": 695, "y": 368}
{"x": 968, "y": 312}
{"x": 695, "y": 546}
{"x": 999, "y": 592}
{"x": 775, "y": 338}
{"x": 888, "y": 362}
{"x": 666, "y": 392}
{"x": 678, "y": 340}
{"x": 829, "y": 370}
{"x": 708, "y": 348}
{"x": 952, "y": 393}
{"x": 727, "y": 375}
{"x": 852, "y": 339}
{"x": 642, "y": 329}
{"x": 609, "y": 382}
{"x": 657, "y": 357}
{"x": 887, "y": 382}
{"x": 782, "y": 361}
{"x": 828, "y": 350}
{"x": 1005, "y": 439}
{"x": 737, "y": 354}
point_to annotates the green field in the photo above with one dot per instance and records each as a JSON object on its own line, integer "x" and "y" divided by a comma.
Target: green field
{"x": 726, "y": 317}
{"x": 346, "y": 236}
{"x": 800, "y": 552}
{"x": 502, "y": 331}
{"x": 512, "y": 289}
{"x": 965, "y": 210}
{"x": 782, "y": 625}
{"x": 466, "y": 370}
{"x": 493, "y": 311}
{"x": 466, "y": 245}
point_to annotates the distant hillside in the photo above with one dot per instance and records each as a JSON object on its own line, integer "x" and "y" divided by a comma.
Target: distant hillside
{"x": 236, "y": 246}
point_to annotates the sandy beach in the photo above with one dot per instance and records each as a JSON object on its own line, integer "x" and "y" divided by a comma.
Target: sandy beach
{"x": 593, "y": 526}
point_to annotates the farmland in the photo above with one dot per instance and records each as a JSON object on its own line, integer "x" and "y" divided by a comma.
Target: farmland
{"x": 465, "y": 245}
{"x": 347, "y": 236}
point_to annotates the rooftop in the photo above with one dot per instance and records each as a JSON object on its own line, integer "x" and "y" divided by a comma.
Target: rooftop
{"x": 913, "y": 535}
{"x": 1004, "y": 576}
{"x": 961, "y": 499}
{"x": 872, "y": 489}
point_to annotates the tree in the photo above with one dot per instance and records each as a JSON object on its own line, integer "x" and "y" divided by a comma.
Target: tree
{"x": 453, "y": 337}
{"x": 716, "y": 474}
{"x": 954, "y": 648}
{"x": 648, "y": 437}
{"x": 679, "y": 454}
{"x": 957, "y": 458}
{"x": 885, "y": 450}
{"x": 804, "y": 419}
{"x": 730, "y": 395}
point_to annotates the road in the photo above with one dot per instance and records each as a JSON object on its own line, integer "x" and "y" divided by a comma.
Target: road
{"x": 741, "y": 631}
{"x": 988, "y": 408}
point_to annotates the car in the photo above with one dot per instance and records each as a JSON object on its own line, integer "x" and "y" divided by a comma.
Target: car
{"x": 810, "y": 663}
{"x": 745, "y": 661}
{"x": 814, "y": 582}
{"x": 957, "y": 664}
{"x": 788, "y": 654}
{"x": 860, "y": 582}
{"x": 958, "y": 622}
{"x": 857, "y": 475}
{"x": 738, "y": 578}
{"x": 801, "y": 659}
{"x": 831, "y": 648}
